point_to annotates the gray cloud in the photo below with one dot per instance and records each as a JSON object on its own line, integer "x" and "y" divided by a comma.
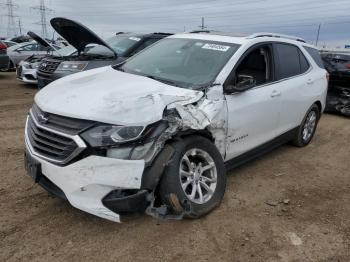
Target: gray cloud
{"x": 297, "y": 17}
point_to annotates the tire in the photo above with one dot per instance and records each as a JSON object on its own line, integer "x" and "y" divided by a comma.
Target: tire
{"x": 203, "y": 154}
{"x": 11, "y": 66}
{"x": 307, "y": 128}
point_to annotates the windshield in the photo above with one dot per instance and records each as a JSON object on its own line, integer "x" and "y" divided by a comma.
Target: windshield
{"x": 67, "y": 50}
{"x": 187, "y": 63}
{"x": 120, "y": 44}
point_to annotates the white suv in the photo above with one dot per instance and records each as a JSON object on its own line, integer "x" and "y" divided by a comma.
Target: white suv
{"x": 158, "y": 132}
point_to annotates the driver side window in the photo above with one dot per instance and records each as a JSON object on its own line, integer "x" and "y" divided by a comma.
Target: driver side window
{"x": 254, "y": 70}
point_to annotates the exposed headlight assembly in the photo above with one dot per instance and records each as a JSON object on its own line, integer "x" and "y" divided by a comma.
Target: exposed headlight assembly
{"x": 72, "y": 66}
{"x": 107, "y": 135}
{"x": 32, "y": 65}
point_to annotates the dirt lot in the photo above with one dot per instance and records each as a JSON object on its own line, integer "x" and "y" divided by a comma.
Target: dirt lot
{"x": 252, "y": 224}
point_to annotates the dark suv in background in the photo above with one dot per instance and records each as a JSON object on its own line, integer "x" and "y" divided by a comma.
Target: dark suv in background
{"x": 4, "y": 59}
{"x": 112, "y": 51}
{"x": 338, "y": 67}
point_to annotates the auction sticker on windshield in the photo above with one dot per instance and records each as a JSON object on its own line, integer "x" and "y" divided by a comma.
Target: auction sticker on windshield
{"x": 222, "y": 48}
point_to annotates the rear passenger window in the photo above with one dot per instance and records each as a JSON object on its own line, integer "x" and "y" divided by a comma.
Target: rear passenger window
{"x": 289, "y": 64}
{"x": 304, "y": 64}
{"x": 291, "y": 61}
{"x": 315, "y": 54}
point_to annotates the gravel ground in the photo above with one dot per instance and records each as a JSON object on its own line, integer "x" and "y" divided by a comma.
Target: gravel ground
{"x": 290, "y": 205}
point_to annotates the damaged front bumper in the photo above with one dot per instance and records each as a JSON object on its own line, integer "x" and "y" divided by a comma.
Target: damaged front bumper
{"x": 98, "y": 185}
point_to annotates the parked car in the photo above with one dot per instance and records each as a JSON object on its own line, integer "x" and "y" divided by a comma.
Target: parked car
{"x": 4, "y": 59}
{"x": 338, "y": 66}
{"x": 21, "y": 39}
{"x": 27, "y": 69}
{"x": 159, "y": 131}
{"x": 338, "y": 98}
{"x": 22, "y": 51}
{"x": 9, "y": 43}
{"x": 113, "y": 50}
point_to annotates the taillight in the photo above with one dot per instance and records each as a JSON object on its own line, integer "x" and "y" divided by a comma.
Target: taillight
{"x": 348, "y": 66}
{"x": 327, "y": 76}
{"x": 2, "y": 46}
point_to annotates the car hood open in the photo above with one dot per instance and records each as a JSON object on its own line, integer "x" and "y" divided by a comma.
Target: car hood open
{"x": 42, "y": 41}
{"x": 77, "y": 34}
{"x": 110, "y": 96}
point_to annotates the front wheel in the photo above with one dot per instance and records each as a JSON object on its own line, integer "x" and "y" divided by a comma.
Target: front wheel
{"x": 195, "y": 180}
{"x": 308, "y": 127}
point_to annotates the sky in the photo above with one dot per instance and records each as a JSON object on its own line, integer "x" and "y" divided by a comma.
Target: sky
{"x": 105, "y": 17}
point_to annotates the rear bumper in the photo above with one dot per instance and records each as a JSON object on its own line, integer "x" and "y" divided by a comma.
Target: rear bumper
{"x": 101, "y": 186}
{"x": 4, "y": 61}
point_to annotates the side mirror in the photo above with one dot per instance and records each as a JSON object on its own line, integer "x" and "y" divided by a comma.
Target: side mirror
{"x": 243, "y": 82}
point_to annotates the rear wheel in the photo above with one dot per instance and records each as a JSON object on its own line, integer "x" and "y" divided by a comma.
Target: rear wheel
{"x": 196, "y": 178}
{"x": 308, "y": 127}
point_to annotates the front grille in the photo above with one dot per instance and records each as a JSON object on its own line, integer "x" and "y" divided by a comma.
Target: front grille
{"x": 47, "y": 66}
{"x": 48, "y": 144}
{"x": 54, "y": 137}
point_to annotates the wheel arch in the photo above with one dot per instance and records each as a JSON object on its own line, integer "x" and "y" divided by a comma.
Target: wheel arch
{"x": 153, "y": 173}
{"x": 319, "y": 105}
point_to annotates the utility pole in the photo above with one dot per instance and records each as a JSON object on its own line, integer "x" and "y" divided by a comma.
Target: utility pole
{"x": 202, "y": 25}
{"x": 11, "y": 26}
{"x": 20, "y": 26}
{"x": 43, "y": 9}
{"x": 318, "y": 33}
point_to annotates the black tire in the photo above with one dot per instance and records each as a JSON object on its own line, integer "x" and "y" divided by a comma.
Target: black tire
{"x": 11, "y": 66}
{"x": 170, "y": 189}
{"x": 298, "y": 140}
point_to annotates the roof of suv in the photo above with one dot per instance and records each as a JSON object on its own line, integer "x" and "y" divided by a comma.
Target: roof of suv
{"x": 239, "y": 38}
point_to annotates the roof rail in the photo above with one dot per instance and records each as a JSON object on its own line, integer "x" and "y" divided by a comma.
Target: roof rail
{"x": 162, "y": 33}
{"x": 265, "y": 34}
{"x": 200, "y": 31}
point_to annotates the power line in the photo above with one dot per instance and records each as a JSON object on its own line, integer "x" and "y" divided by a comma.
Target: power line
{"x": 11, "y": 25}
{"x": 43, "y": 10}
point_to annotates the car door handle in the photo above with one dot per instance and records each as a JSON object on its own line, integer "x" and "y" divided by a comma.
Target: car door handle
{"x": 275, "y": 93}
{"x": 310, "y": 81}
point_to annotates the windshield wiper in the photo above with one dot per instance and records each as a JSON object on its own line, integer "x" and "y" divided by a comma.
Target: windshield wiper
{"x": 165, "y": 81}
{"x": 98, "y": 55}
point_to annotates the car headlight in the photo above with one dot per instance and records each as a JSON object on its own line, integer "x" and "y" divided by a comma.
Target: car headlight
{"x": 33, "y": 65}
{"x": 72, "y": 66}
{"x": 107, "y": 135}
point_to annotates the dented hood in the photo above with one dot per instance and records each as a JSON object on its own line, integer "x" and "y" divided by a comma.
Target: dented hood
{"x": 77, "y": 34}
{"x": 110, "y": 96}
